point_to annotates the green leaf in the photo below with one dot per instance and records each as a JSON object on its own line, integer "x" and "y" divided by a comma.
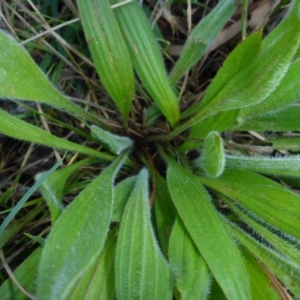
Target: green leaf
{"x": 236, "y": 61}
{"x": 285, "y": 143}
{"x": 26, "y": 274}
{"x": 279, "y": 242}
{"x": 146, "y": 57}
{"x": 219, "y": 122}
{"x": 36, "y": 238}
{"x": 78, "y": 236}
{"x": 16, "y": 226}
{"x": 109, "y": 51}
{"x": 279, "y": 266}
{"x": 201, "y": 38}
{"x": 152, "y": 114}
{"x": 98, "y": 282}
{"x": 258, "y": 79}
{"x": 26, "y": 196}
{"x": 285, "y": 166}
{"x": 165, "y": 212}
{"x": 122, "y": 193}
{"x": 141, "y": 270}
{"x": 208, "y": 231}
{"x": 192, "y": 276}
{"x": 285, "y": 119}
{"x": 286, "y": 92}
{"x": 212, "y": 159}
{"x": 21, "y": 78}
{"x": 262, "y": 197}
{"x": 52, "y": 188}
{"x": 16, "y": 128}
{"x": 216, "y": 292}
{"x": 116, "y": 144}
{"x": 260, "y": 282}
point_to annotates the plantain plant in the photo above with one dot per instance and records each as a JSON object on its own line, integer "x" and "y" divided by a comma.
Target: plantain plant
{"x": 179, "y": 209}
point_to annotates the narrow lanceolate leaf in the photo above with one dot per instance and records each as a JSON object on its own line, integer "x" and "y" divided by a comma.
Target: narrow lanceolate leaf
{"x": 285, "y": 166}
{"x": 237, "y": 60}
{"x": 285, "y": 143}
{"x": 17, "y": 226}
{"x": 285, "y": 119}
{"x": 98, "y": 282}
{"x": 78, "y": 236}
{"x": 52, "y": 188}
{"x": 287, "y": 273}
{"x": 259, "y": 79}
{"x": 256, "y": 81}
{"x": 165, "y": 212}
{"x": 116, "y": 144}
{"x": 260, "y": 282}
{"x": 192, "y": 275}
{"x": 262, "y": 197}
{"x": 218, "y": 122}
{"x": 283, "y": 246}
{"x": 109, "y": 51}
{"x": 21, "y": 78}
{"x": 208, "y": 231}
{"x": 25, "y": 274}
{"x": 14, "y": 211}
{"x": 16, "y": 128}
{"x": 286, "y": 93}
{"x": 146, "y": 57}
{"x": 122, "y": 193}
{"x": 141, "y": 270}
{"x": 202, "y": 37}
{"x": 212, "y": 159}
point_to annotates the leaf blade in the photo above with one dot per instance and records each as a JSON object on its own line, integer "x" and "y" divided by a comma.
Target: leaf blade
{"x": 109, "y": 52}
{"x": 22, "y": 79}
{"x": 212, "y": 159}
{"x": 77, "y": 227}
{"x": 204, "y": 225}
{"x": 146, "y": 58}
{"x": 261, "y": 196}
{"x": 19, "y": 129}
{"x": 192, "y": 275}
{"x": 201, "y": 38}
{"x": 141, "y": 270}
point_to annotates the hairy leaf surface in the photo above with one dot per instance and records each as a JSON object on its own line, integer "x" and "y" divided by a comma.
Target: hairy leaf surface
{"x": 146, "y": 58}
{"x": 78, "y": 236}
{"x": 192, "y": 275}
{"x": 109, "y": 51}
{"x": 21, "y": 78}
{"x": 208, "y": 231}
{"x": 267, "y": 199}
{"x": 16, "y": 128}
{"x": 201, "y": 38}
{"x": 141, "y": 270}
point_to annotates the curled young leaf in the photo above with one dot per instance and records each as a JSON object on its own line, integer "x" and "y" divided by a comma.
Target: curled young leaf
{"x": 212, "y": 159}
{"x": 116, "y": 144}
